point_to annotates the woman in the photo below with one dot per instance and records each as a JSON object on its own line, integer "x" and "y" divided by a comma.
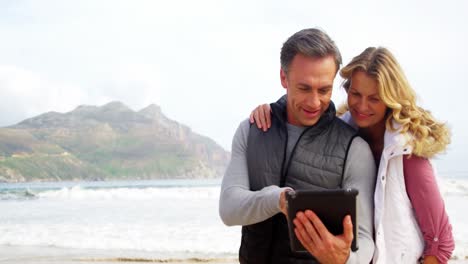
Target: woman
{"x": 410, "y": 221}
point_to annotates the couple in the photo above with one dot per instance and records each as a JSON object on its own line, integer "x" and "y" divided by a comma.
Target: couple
{"x": 303, "y": 145}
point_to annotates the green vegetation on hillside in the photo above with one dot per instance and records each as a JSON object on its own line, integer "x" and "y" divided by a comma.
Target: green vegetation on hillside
{"x": 108, "y": 142}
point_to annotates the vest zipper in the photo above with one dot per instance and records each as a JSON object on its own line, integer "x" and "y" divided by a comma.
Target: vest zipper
{"x": 285, "y": 170}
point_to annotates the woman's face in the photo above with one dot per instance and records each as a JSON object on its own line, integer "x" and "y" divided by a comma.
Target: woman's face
{"x": 365, "y": 105}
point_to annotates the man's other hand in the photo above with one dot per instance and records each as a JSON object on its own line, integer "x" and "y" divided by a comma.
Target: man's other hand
{"x": 323, "y": 245}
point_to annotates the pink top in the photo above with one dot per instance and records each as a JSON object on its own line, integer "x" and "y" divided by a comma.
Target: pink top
{"x": 429, "y": 207}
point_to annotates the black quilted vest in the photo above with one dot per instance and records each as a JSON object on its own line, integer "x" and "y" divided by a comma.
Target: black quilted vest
{"x": 316, "y": 162}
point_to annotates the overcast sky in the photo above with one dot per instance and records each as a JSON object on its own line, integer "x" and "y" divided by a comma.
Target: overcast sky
{"x": 209, "y": 63}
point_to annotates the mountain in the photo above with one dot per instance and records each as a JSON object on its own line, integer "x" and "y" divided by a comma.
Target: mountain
{"x": 109, "y": 142}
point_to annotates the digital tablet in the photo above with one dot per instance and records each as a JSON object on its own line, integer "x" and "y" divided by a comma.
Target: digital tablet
{"x": 331, "y": 206}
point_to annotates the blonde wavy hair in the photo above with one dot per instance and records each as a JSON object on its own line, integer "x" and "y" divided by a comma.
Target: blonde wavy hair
{"x": 428, "y": 136}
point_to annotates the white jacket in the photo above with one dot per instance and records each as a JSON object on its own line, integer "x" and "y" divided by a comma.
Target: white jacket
{"x": 398, "y": 238}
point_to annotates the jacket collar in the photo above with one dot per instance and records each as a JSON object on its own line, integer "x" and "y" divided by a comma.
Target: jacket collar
{"x": 394, "y": 141}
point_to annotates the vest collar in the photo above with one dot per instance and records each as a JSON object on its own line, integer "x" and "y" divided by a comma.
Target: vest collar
{"x": 279, "y": 111}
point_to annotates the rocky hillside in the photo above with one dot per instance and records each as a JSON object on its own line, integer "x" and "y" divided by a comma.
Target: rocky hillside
{"x": 107, "y": 142}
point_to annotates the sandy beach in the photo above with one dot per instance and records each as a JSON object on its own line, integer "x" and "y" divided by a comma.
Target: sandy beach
{"x": 42, "y": 255}
{"x": 30, "y": 255}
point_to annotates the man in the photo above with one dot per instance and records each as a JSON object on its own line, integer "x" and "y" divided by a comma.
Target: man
{"x": 306, "y": 147}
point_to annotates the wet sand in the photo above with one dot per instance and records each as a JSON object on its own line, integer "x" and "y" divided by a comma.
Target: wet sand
{"x": 42, "y": 255}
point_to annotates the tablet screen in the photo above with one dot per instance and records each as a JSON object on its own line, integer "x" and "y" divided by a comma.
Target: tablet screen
{"x": 331, "y": 206}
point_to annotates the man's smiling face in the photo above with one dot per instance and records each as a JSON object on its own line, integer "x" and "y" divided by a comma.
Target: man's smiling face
{"x": 309, "y": 85}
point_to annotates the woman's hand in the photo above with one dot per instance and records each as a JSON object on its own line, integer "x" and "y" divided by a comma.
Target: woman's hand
{"x": 430, "y": 260}
{"x": 261, "y": 116}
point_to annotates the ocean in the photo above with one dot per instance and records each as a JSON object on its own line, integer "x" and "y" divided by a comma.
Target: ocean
{"x": 157, "y": 220}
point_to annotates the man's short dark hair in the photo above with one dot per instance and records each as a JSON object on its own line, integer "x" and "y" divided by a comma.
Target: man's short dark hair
{"x": 310, "y": 42}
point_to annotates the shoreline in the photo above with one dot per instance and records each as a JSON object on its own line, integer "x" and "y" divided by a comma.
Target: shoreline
{"x": 36, "y": 254}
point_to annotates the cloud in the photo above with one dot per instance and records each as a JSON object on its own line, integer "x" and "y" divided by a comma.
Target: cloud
{"x": 136, "y": 85}
{"x": 207, "y": 63}
{"x": 25, "y": 93}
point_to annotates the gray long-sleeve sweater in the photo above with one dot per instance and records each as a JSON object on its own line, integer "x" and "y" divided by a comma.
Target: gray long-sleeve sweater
{"x": 239, "y": 205}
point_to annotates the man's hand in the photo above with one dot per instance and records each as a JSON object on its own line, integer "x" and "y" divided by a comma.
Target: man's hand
{"x": 316, "y": 238}
{"x": 282, "y": 202}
